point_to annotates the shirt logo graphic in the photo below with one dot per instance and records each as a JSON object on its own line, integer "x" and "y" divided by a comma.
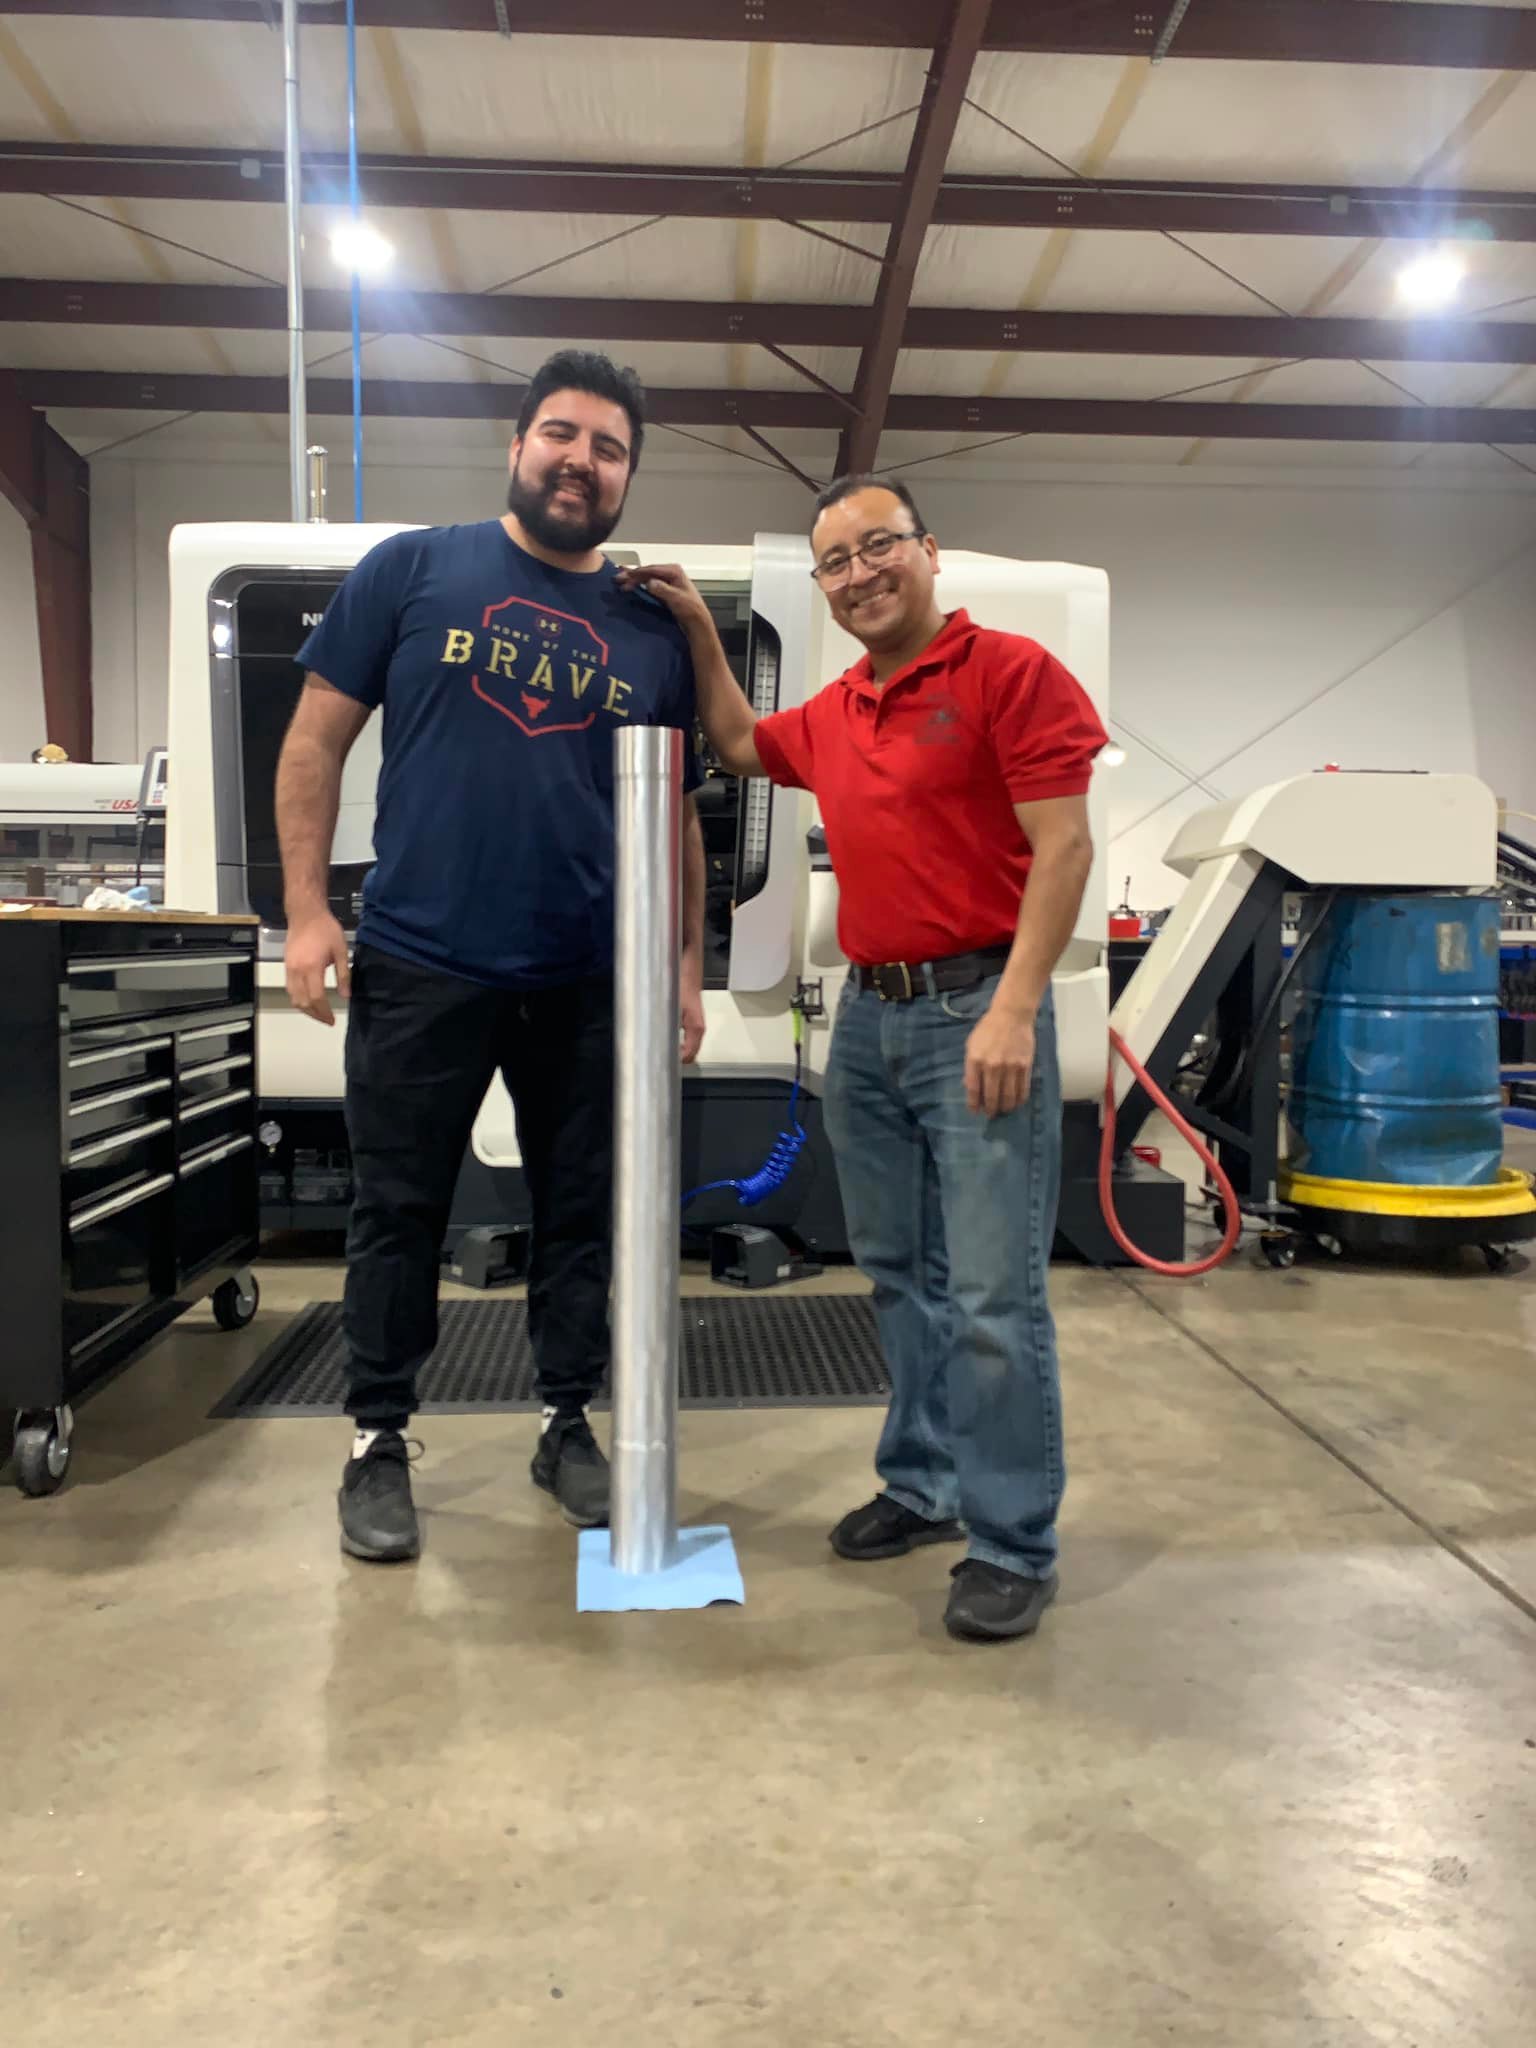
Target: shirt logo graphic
{"x": 941, "y": 728}
{"x": 543, "y": 670}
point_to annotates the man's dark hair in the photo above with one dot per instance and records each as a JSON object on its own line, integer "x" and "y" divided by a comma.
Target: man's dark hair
{"x": 581, "y": 369}
{"x": 845, "y": 486}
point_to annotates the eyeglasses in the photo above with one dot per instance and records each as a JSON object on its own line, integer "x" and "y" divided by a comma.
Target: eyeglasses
{"x": 833, "y": 570}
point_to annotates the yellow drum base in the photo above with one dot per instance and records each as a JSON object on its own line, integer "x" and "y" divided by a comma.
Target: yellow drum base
{"x": 1510, "y": 1195}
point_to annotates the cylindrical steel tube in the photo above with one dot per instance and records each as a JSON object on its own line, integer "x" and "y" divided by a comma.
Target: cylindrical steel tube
{"x": 298, "y": 426}
{"x": 648, "y": 773}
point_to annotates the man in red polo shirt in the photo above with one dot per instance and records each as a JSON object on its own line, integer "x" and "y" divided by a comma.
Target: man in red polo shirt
{"x": 951, "y": 766}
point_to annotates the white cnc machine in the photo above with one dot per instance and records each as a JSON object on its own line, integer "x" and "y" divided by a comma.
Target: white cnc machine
{"x": 243, "y": 598}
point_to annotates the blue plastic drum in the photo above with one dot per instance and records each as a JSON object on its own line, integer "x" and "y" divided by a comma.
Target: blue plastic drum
{"x": 1395, "y": 1043}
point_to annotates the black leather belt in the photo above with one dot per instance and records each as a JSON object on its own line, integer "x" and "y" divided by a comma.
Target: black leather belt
{"x": 900, "y": 981}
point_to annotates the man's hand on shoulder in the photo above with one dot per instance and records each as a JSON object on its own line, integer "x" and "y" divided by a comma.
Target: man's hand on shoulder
{"x": 670, "y": 584}
{"x": 726, "y": 716}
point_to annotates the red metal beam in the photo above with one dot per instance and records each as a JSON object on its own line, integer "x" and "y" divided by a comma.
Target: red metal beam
{"x": 61, "y": 572}
{"x": 116, "y": 171}
{"x": 1483, "y": 38}
{"x": 259, "y": 308}
{"x": 943, "y": 100}
{"x": 21, "y": 451}
{"x": 50, "y": 486}
{"x": 126, "y": 391}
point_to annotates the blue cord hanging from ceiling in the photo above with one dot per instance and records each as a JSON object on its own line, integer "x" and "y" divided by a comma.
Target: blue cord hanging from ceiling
{"x": 357, "y": 306}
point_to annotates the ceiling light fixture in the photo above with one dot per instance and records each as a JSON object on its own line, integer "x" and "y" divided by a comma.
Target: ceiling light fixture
{"x": 1430, "y": 282}
{"x": 356, "y": 246}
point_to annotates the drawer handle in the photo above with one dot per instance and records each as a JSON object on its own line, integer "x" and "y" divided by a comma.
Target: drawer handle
{"x": 98, "y": 1148}
{"x": 116, "y": 1095}
{"x": 157, "y": 962}
{"x": 213, "y": 1031}
{"x": 117, "y": 1052}
{"x": 225, "y": 1101}
{"x": 211, "y": 1157}
{"x": 115, "y": 1204}
{"x": 226, "y": 1066}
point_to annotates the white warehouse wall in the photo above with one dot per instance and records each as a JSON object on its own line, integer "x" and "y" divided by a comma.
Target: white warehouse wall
{"x": 22, "y": 724}
{"x": 1259, "y": 629}
{"x": 1262, "y": 622}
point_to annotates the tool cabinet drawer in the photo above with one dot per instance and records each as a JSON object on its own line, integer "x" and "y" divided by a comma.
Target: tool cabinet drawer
{"x": 98, "y": 1112}
{"x": 216, "y": 1201}
{"x": 104, "y": 987}
{"x": 201, "y": 1081}
{"x": 114, "y": 1252}
{"x": 97, "y": 1166}
{"x": 219, "y": 1039}
{"x": 97, "y": 1061}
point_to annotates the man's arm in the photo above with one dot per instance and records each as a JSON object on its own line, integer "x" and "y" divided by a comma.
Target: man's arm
{"x": 692, "y": 965}
{"x": 726, "y": 716}
{"x": 1000, "y": 1052}
{"x": 325, "y": 723}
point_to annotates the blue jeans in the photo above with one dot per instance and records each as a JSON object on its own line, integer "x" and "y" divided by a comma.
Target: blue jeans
{"x": 951, "y": 1215}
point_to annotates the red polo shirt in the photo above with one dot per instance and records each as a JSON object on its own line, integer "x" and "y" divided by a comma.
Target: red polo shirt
{"x": 917, "y": 782}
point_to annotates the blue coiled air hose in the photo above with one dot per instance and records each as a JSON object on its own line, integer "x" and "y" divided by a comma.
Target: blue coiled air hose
{"x": 780, "y": 1163}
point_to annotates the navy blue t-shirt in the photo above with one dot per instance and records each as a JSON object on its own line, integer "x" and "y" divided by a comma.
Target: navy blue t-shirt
{"x": 502, "y": 682}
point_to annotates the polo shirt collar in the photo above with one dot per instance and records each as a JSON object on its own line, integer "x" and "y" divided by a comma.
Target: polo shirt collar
{"x": 939, "y": 653}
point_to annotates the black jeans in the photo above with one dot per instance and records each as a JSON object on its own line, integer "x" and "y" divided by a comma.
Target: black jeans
{"x": 422, "y": 1047}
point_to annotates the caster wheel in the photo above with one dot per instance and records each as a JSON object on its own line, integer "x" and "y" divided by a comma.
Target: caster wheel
{"x": 1280, "y": 1252}
{"x": 1330, "y": 1245}
{"x": 1499, "y": 1256}
{"x": 235, "y": 1301}
{"x": 40, "y": 1455}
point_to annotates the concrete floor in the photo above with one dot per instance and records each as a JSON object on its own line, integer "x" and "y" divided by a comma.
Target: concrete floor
{"x": 1267, "y": 1779}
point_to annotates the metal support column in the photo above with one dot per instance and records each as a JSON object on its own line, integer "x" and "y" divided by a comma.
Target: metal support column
{"x": 648, "y": 770}
{"x": 298, "y": 428}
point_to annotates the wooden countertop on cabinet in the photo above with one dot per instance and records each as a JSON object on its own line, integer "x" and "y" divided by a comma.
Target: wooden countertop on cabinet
{"x": 47, "y": 913}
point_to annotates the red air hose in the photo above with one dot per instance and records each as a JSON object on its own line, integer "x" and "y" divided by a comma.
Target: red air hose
{"x": 1207, "y": 1158}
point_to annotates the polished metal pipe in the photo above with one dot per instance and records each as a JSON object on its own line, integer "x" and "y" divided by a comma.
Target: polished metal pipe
{"x": 648, "y": 776}
{"x": 298, "y": 407}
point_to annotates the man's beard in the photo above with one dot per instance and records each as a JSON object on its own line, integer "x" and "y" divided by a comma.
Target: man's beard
{"x": 566, "y": 531}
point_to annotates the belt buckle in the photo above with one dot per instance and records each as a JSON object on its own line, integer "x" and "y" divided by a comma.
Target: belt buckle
{"x": 907, "y": 992}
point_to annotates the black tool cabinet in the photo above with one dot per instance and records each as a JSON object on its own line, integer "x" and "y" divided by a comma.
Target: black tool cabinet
{"x": 128, "y": 1157}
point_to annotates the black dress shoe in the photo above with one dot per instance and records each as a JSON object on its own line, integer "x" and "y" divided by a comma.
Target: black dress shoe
{"x": 883, "y": 1528}
{"x": 990, "y": 1605}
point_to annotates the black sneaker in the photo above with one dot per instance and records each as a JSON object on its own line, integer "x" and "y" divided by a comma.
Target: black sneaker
{"x": 378, "y": 1516}
{"x": 990, "y": 1605}
{"x": 569, "y": 1465}
{"x": 884, "y": 1528}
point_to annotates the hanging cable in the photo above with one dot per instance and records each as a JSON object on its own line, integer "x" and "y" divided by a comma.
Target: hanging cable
{"x": 1259, "y": 1035}
{"x": 357, "y": 290}
{"x": 780, "y": 1163}
{"x": 1208, "y": 1159}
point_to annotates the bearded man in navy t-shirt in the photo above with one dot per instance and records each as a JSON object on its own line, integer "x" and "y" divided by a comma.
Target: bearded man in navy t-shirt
{"x": 504, "y": 656}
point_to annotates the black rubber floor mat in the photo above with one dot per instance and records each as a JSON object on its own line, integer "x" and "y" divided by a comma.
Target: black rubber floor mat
{"x": 792, "y": 1351}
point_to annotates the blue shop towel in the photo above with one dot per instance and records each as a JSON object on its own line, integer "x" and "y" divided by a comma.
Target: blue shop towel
{"x": 703, "y": 1570}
